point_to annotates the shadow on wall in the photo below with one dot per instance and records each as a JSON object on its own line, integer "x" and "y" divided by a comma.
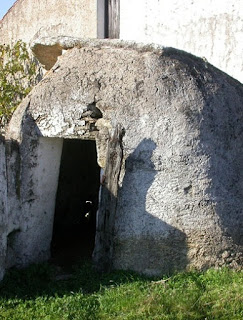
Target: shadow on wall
{"x": 148, "y": 244}
{"x": 141, "y": 241}
{"x": 221, "y": 140}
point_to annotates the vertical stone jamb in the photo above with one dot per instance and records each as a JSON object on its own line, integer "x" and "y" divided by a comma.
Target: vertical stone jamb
{"x": 103, "y": 251}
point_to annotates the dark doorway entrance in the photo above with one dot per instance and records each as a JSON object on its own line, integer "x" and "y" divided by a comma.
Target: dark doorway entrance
{"x": 76, "y": 203}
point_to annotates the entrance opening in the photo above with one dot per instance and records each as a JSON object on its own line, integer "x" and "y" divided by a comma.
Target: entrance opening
{"x": 76, "y": 203}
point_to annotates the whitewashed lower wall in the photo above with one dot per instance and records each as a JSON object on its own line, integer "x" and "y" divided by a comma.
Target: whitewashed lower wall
{"x": 39, "y": 186}
{"x": 207, "y": 28}
{"x": 26, "y": 227}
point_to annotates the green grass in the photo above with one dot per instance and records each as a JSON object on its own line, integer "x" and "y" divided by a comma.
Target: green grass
{"x": 35, "y": 294}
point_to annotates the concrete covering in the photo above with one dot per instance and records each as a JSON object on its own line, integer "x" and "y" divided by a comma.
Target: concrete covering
{"x": 212, "y": 29}
{"x": 178, "y": 203}
{"x": 77, "y": 18}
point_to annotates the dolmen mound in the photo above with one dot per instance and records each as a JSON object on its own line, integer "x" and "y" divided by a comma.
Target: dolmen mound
{"x": 168, "y": 132}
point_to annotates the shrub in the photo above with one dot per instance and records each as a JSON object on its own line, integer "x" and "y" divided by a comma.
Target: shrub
{"x": 18, "y": 74}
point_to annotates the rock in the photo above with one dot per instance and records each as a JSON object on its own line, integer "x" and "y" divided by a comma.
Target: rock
{"x": 48, "y": 49}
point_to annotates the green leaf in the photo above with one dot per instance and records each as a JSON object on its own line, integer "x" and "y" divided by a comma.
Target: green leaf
{"x": 18, "y": 72}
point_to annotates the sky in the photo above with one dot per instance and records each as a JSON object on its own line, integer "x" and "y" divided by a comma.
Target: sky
{"x": 4, "y": 6}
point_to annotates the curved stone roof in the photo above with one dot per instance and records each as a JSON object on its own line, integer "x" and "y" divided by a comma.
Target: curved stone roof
{"x": 179, "y": 200}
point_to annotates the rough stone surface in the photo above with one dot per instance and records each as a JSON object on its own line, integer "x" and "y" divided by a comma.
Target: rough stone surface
{"x": 179, "y": 198}
{"x": 48, "y": 49}
{"x": 207, "y": 28}
{"x": 76, "y": 18}
{"x": 3, "y": 209}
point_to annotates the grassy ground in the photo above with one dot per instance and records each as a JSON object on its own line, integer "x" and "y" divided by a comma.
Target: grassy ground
{"x": 43, "y": 292}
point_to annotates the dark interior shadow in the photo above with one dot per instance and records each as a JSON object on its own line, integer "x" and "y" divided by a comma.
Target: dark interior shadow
{"x": 76, "y": 203}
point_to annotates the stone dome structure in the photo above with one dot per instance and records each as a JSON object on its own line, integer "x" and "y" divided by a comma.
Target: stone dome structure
{"x": 168, "y": 130}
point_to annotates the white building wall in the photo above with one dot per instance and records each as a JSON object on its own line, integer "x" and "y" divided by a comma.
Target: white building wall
{"x": 212, "y": 29}
{"x": 76, "y": 18}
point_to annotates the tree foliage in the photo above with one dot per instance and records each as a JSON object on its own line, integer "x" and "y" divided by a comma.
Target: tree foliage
{"x": 18, "y": 74}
